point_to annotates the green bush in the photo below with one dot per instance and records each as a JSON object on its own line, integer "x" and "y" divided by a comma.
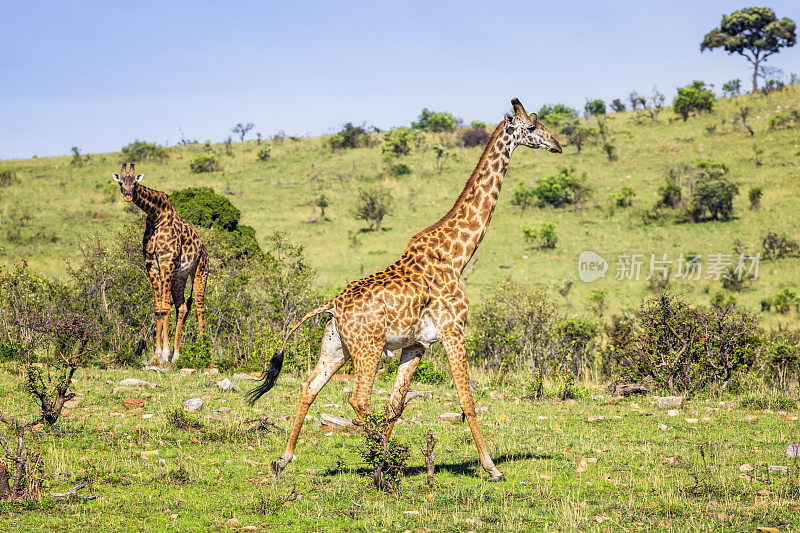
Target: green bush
{"x": 197, "y": 354}
{"x": 399, "y": 141}
{"x": 754, "y": 195}
{"x": 684, "y": 347}
{"x": 201, "y": 206}
{"x": 399, "y": 169}
{"x": 432, "y": 121}
{"x": 783, "y": 302}
{"x": 713, "y": 192}
{"x": 596, "y": 107}
{"x": 348, "y": 137}
{"x": 777, "y": 245}
{"x": 560, "y": 189}
{"x": 694, "y": 97}
{"x": 624, "y": 198}
{"x": 427, "y": 372}
{"x": 204, "y": 162}
{"x": 373, "y": 205}
{"x": 543, "y": 237}
{"x": 553, "y": 116}
{"x": 477, "y": 124}
{"x": 264, "y": 153}
{"x": 143, "y": 151}
{"x": 6, "y": 177}
{"x": 784, "y": 118}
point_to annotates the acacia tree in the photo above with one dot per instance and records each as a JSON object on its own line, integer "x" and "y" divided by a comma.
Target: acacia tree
{"x": 242, "y": 129}
{"x": 755, "y": 33}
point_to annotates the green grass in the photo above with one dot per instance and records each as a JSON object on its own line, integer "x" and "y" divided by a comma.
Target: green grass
{"x": 220, "y": 471}
{"x": 59, "y": 205}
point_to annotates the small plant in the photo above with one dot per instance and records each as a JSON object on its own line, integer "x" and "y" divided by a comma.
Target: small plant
{"x": 475, "y": 124}
{"x": 204, "y": 162}
{"x": 783, "y": 302}
{"x": 228, "y": 146}
{"x": 566, "y": 386}
{"x": 523, "y": 197}
{"x": 611, "y": 151}
{"x": 777, "y": 245}
{"x": 264, "y": 153}
{"x": 179, "y": 419}
{"x": 624, "y": 198}
{"x": 399, "y": 169}
{"x": 399, "y": 142}
{"x": 543, "y": 238}
{"x": 322, "y": 203}
{"x": 441, "y": 156}
{"x": 757, "y": 151}
{"x": 6, "y": 177}
{"x": 386, "y": 457}
{"x": 78, "y": 159}
{"x": 598, "y": 301}
{"x": 617, "y": 106}
{"x": 754, "y": 195}
{"x": 784, "y": 119}
{"x": 732, "y": 88}
{"x": 373, "y": 205}
{"x": 197, "y": 354}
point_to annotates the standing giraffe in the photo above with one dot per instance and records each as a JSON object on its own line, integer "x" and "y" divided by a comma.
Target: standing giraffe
{"x": 173, "y": 253}
{"x": 417, "y": 300}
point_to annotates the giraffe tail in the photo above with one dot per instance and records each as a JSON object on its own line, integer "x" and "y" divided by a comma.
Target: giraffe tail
{"x": 270, "y": 376}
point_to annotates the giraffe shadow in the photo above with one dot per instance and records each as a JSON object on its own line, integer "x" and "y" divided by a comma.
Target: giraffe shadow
{"x": 468, "y": 467}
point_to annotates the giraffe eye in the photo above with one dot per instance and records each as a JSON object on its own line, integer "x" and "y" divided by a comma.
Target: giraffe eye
{"x": 531, "y": 129}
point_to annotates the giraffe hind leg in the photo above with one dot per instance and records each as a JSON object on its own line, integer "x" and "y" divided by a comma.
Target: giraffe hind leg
{"x": 410, "y": 358}
{"x": 181, "y": 310}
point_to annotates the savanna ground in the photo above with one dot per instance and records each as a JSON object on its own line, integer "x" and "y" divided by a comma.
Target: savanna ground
{"x": 643, "y": 469}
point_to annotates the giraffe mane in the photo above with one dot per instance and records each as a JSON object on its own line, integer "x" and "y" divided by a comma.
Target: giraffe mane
{"x": 467, "y": 187}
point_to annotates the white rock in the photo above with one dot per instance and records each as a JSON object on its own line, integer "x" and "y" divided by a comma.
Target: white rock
{"x": 226, "y": 384}
{"x": 334, "y": 421}
{"x": 666, "y": 402}
{"x": 662, "y": 427}
{"x": 147, "y": 416}
{"x": 193, "y": 404}
{"x": 133, "y": 382}
{"x": 598, "y": 397}
{"x": 793, "y": 450}
{"x": 242, "y": 375}
{"x": 450, "y": 417}
{"x": 673, "y": 412}
{"x": 187, "y": 371}
{"x": 778, "y": 469}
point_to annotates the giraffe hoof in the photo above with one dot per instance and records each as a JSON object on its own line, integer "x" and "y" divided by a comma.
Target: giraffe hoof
{"x": 175, "y": 357}
{"x": 276, "y": 468}
{"x": 497, "y": 478}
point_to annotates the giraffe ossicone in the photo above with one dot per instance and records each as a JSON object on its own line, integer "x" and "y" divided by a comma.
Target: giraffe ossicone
{"x": 415, "y": 301}
{"x": 173, "y": 253}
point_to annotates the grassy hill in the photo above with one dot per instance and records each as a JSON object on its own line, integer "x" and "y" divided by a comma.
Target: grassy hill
{"x": 53, "y": 204}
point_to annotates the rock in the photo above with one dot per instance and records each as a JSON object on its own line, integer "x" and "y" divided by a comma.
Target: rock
{"x": 334, "y": 422}
{"x": 173, "y": 516}
{"x": 380, "y": 392}
{"x": 494, "y": 395}
{"x": 232, "y": 522}
{"x": 249, "y": 528}
{"x": 134, "y": 382}
{"x": 148, "y": 454}
{"x": 571, "y": 402}
{"x": 778, "y": 469}
{"x": 72, "y": 404}
{"x": 133, "y": 403}
{"x": 793, "y": 450}
{"x": 242, "y": 375}
{"x": 746, "y": 468}
{"x": 154, "y": 368}
{"x": 224, "y": 409}
{"x": 120, "y": 390}
{"x": 416, "y": 420}
{"x": 691, "y": 420}
{"x": 673, "y": 412}
{"x": 662, "y": 427}
{"x": 450, "y": 417}
{"x": 147, "y": 416}
{"x": 789, "y": 417}
{"x": 192, "y": 404}
{"x": 595, "y": 418}
{"x": 187, "y": 371}
{"x": 481, "y": 409}
{"x": 598, "y": 397}
{"x": 669, "y": 402}
{"x": 583, "y": 465}
{"x": 226, "y": 384}
{"x": 410, "y": 395}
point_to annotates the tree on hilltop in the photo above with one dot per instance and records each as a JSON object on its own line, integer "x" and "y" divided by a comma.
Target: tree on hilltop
{"x": 754, "y": 33}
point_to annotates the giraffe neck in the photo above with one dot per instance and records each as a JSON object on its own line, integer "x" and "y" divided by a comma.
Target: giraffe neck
{"x": 154, "y": 203}
{"x": 458, "y": 233}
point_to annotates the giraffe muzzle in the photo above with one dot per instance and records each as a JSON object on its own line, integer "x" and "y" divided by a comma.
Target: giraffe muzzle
{"x": 555, "y": 147}
{"x": 128, "y": 197}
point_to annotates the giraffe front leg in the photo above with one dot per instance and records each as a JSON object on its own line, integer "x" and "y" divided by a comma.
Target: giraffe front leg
{"x": 181, "y": 310}
{"x": 164, "y": 307}
{"x": 453, "y": 342}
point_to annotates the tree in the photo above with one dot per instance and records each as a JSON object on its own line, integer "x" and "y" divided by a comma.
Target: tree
{"x": 432, "y": 121}
{"x": 732, "y": 88}
{"x": 577, "y": 132}
{"x": 595, "y": 107}
{"x": 617, "y": 105}
{"x": 556, "y": 114}
{"x": 349, "y": 137}
{"x": 636, "y": 100}
{"x": 656, "y": 103}
{"x": 754, "y": 33}
{"x": 399, "y": 141}
{"x": 322, "y": 203}
{"x": 694, "y": 97}
{"x": 242, "y": 129}
{"x": 373, "y": 205}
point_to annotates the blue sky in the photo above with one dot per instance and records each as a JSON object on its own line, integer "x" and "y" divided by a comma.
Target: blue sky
{"x": 99, "y": 74}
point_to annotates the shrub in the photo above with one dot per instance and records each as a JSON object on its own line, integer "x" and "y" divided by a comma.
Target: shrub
{"x": 477, "y": 124}
{"x": 713, "y": 191}
{"x": 427, "y": 371}
{"x": 694, "y": 97}
{"x": 264, "y": 153}
{"x": 555, "y": 115}
{"x": 754, "y": 195}
{"x": 611, "y": 151}
{"x": 385, "y": 457}
{"x": 515, "y": 326}
{"x": 618, "y": 106}
{"x": 784, "y": 118}
{"x": 560, "y": 189}
{"x": 372, "y": 206}
{"x": 348, "y": 137}
{"x": 204, "y": 162}
{"x": 475, "y": 136}
{"x": 684, "y": 347}
{"x": 523, "y": 196}
{"x": 782, "y": 302}
{"x": 399, "y": 141}
{"x": 432, "y": 121}
{"x": 732, "y": 88}
{"x": 777, "y": 245}
{"x": 595, "y": 107}
{"x": 7, "y": 177}
{"x": 203, "y": 207}
{"x": 577, "y": 132}
{"x": 543, "y": 238}
{"x": 142, "y": 151}
{"x": 399, "y": 169}
{"x": 624, "y": 198}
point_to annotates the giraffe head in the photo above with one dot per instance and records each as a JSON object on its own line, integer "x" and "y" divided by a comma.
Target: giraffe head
{"x": 127, "y": 180}
{"x": 526, "y": 130}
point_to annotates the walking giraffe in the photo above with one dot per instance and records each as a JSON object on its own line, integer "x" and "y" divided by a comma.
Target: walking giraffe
{"x": 417, "y": 300}
{"x": 173, "y": 253}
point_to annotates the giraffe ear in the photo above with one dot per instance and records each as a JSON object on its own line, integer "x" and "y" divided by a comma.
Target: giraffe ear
{"x": 511, "y": 124}
{"x": 139, "y": 177}
{"x": 115, "y": 177}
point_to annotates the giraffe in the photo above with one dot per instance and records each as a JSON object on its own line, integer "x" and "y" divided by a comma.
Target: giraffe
{"x": 173, "y": 253}
{"x": 416, "y": 301}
